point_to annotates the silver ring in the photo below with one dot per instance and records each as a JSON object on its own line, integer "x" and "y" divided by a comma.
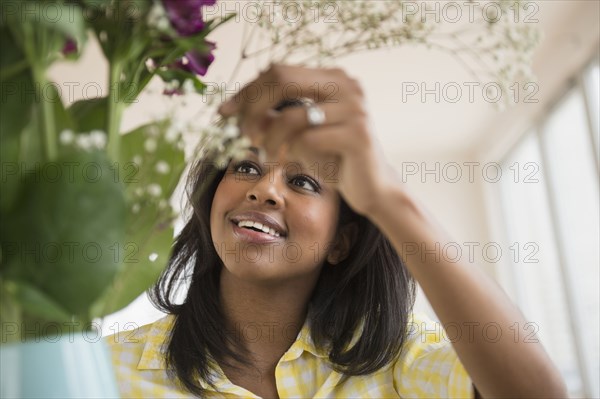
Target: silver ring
{"x": 314, "y": 114}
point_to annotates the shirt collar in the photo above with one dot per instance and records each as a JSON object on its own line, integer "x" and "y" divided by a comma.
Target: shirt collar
{"x": 153, "y": 355}
{"x": 303, "y": 342}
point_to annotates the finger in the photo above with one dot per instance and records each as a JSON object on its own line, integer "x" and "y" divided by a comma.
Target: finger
{"x": 274, "y": 84}
{"x": 291, "y": 122}
{"x": 283, "y": 82}
{"x": 295, "y": 119}
{"x": 336, "y": 140}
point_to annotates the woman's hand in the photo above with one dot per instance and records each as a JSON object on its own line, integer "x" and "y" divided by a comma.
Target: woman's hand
{"x": 346, "y": 137}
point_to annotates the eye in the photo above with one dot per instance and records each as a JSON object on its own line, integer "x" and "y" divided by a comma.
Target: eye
{"x": 246, "y": 168}
{"x": 305, "y": 183}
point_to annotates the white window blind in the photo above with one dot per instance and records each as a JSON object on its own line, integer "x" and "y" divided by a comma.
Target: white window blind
{"x": 551, "y": 213}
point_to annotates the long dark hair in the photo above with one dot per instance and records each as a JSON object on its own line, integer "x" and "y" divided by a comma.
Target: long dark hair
{"x": 371, "y": 286}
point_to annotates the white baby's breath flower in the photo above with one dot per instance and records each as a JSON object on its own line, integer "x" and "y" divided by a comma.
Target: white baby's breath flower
{"x": 153, "y": 257}
{"x": 162, "y": 167}
{"x": 154, "y": 190}
{"x": 171, "y": 134}
{"x": 172, "y": 85}
{"x": 231, "y": 129}
{"x": 362, "y": 25}
{"x": 150, "y": 145}
{"x": 137, "y": 159}
{"x": 188, "y": 87}
{"x": 157, "y": 17}
{"x": 221, "y": 160}
{"x": 211, "y": 131}
{"x": 66, "y": 137}
{"x": 163, "y": 204}
{"x": 135, "y": 208}
{"x": 84, "y": 142}
{"x": 98, "y": 139}
{"x": 163, "y": 25}
{"x": 174, "y": 130}
{"x": 239, "y": 147}
{"x": 150, "y": 65}
{"x": 139, "y": 191}
{"x": 152, "y": 131}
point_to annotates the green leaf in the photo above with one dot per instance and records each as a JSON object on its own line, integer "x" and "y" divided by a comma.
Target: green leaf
{"x": 181, "y": 76}
{"x": 89, "y": 114}
{"x": 35, "y": 302}
{"x": 64, "y": 18}
{"x": 62, "y": 118}
{"x": 150, "y": 144}
{"x": 97, "y": 3}
{"x": 18, "y": 96}
{"x": 122, "y": 34}
{"x": 31, "y": 146}
{"x": 11, "y": 56}
{"x": 149, "y": 233}
{"x": 10, "y": 313}
{"x": 214, "y": 23}
{"x": 9, "y": 158}
{"x": 145, "y": 257}
{"x": 71, "y": 216}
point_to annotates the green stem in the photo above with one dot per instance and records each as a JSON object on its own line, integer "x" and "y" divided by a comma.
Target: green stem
{"x": 48, "y": 121}
{"x": 38, "y": 70}
{"x": 115, "y": 111}
{"x": 12, "y": 70}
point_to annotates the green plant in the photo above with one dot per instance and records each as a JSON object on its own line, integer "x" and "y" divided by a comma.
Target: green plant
{"x": 86, "y": 219}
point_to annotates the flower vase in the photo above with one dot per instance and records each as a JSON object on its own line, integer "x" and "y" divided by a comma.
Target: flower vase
{"x": 66, "y": 366}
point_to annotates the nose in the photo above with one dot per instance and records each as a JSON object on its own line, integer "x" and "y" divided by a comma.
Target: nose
{"x": 267, "y": 190}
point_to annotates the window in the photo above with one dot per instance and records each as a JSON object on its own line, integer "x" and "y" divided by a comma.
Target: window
{"x": 552, "y": 220}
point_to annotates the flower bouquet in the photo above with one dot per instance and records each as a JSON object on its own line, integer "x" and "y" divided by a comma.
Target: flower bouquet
{"x": 86, "y": 219}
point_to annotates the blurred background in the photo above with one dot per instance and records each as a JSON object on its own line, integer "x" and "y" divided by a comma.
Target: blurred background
{"x": 516, "y": 186}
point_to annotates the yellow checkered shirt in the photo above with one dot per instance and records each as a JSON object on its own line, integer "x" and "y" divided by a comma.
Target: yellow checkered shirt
{"x": 427, "y": 368}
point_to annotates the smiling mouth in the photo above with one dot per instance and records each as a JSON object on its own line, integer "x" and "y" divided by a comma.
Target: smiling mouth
{"x": 258, "y": 227}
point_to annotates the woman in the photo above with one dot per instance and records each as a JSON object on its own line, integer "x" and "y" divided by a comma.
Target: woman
{"x": 301, "y": 279}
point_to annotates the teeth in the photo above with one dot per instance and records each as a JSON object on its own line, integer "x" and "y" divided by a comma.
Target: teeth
{"x": 259, "y": 226}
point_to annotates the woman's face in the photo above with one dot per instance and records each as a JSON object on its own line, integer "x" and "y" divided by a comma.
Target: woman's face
{"x": 275, "y": 221}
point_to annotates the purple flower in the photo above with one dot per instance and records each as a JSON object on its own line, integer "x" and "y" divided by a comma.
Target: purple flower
{"x": 186, "y": 15}
{"x": 69, "y": 47}
{"x": 198, "y": 61}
